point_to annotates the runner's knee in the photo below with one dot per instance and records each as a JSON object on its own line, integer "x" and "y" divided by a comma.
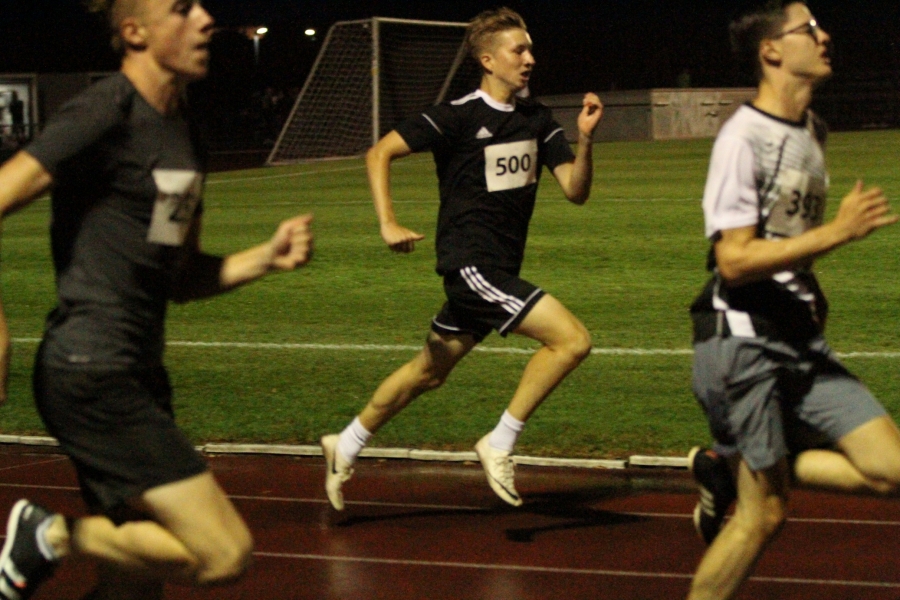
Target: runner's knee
{"x": 431, "y": 379}
{"x": 773, "y": 521}
{"x": 885, "y": 479}
{"x": 879, "y": 458}
{"x": 577, "y": 344}
{"x": 762, "y": 523}
{"x": 227, "y": 563}
{"x": 430, "y": 374}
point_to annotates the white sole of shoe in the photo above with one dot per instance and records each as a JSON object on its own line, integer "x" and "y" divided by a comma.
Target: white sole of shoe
{"x": 329, "y": 451}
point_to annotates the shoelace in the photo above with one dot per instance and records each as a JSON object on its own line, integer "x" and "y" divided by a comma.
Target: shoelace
{"x": 507, "y": 468}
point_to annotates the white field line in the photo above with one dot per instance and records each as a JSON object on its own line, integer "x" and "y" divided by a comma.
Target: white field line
{"x": 409, "y": 348}
{"x": 566, "y": 571}
{"x": 359, "y": 166}
{"x": 433, "y": 200}
{"x": 226, "y": 180}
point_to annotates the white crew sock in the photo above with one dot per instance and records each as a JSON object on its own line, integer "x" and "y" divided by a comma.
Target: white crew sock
{"x": 47, "y": 551}
{"x": 506, "y": 433}
{"x": 352, "y": 440}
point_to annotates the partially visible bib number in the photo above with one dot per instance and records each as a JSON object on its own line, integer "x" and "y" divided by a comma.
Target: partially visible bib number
{"x": 800, "y": 204}
{"x": 510, "y": 166}
{"x": 178, "y": 194}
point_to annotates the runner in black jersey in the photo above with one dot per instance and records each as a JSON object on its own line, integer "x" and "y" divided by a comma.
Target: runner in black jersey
{"x": 126, "y": 171}
{"x": 489, "y": 149}
{"x": 780, "y": 405}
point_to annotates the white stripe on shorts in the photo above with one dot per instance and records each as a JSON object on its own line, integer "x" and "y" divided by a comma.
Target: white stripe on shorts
{"x": 478, "y": 284}
{"x": 513, "y": 318}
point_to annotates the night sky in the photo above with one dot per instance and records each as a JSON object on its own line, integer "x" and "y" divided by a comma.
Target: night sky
{"x": 580, "y": 45}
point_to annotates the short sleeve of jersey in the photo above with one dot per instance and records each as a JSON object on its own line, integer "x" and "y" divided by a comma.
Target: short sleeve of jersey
{"x": 81, "y": 122}
{"x": 730, "y": 199}
{"x": 556, "y": 147}
{"x": 423, "y": 131}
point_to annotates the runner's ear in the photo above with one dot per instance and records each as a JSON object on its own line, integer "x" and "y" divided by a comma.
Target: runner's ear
{"x": 133, "y": 33}
{"x": 770, "y": 52}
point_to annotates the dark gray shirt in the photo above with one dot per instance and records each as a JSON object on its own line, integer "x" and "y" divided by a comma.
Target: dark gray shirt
{"x": 128, "y": 182}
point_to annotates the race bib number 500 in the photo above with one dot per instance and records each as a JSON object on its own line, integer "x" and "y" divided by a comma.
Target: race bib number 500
{"x": 178, "y": 194}
{"x": 510, "y": 166}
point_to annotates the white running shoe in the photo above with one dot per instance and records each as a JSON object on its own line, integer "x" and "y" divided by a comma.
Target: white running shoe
{"x": 500, "y": 470}
{"x": 337, "y": 470}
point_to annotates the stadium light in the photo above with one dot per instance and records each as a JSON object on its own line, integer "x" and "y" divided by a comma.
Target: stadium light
{"x": 258, "y": 33}
{"x": 310, "y": 32}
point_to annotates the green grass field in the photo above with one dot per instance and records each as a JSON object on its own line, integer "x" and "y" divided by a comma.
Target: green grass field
{"x": 291, "y": 357}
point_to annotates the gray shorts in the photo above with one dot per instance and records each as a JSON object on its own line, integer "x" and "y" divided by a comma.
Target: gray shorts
{"x": 768, "y": 399}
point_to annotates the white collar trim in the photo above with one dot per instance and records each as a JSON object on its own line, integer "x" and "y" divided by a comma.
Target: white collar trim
{"x": 493, "y": 103}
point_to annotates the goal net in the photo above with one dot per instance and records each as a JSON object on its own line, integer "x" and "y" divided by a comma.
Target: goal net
{"x": 368, "y": 76}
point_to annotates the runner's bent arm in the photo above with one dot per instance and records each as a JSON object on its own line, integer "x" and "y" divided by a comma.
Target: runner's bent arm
{"x": 203, "y": 275}
{"x": 378, "y": 165}
{"x": 575, "y": 177}
{"x": 742, "y": 257}
{"x": 22, "y": 179}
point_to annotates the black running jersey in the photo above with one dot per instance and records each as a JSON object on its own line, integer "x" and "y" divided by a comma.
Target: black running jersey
{"x": 489, "y": 158}
{"x": 128, "y": 183}
{"x": 768, "y": 173}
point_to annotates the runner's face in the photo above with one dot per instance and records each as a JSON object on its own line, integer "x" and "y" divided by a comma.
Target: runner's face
{"x": 510, "y": 60}
{"x": 179, "y": 32}
{"x": 805, "y": 45}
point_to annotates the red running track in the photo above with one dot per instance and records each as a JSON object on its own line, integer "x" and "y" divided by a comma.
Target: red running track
{"x": 435, "y": 531}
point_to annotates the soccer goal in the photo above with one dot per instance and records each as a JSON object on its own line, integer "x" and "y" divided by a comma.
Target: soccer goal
{"x": 368, "y": 76}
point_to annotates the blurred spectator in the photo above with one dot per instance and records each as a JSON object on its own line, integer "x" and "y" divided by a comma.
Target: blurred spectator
{"x": 17, "y": 113}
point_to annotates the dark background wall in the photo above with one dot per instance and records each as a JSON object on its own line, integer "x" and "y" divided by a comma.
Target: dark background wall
{"x": 580, "y": 45}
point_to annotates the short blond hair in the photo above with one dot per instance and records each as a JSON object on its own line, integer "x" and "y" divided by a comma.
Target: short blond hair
{"x": 481, "y": 30}
{"x": 115, "y": 11}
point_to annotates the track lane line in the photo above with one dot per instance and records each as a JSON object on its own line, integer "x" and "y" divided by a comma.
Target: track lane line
{"x": 34, "y": 464}
{"x": 412, "y": 505}
{"x": 568, "y": 571}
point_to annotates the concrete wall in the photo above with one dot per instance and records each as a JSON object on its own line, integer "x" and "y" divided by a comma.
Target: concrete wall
{"x": 657, "y": 114}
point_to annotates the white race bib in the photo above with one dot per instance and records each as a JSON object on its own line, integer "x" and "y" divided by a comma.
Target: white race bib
{"x": 178, "y": 194}
{"x": 800, "y": 204}
{"x": 510, "y": 166}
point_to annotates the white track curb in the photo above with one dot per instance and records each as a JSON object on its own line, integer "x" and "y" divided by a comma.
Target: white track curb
{"x": 402, "y": 453}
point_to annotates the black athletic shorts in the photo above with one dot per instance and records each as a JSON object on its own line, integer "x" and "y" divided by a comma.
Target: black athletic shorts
{"x": 481, "y": 299}
{"x": 118, "y": 428}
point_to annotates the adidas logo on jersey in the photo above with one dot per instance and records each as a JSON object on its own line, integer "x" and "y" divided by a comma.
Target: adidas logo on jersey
{"x": 483, "y": 134}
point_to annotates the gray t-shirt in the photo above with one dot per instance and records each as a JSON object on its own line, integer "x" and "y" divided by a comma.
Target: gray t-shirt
{"x": 128, "y": 182}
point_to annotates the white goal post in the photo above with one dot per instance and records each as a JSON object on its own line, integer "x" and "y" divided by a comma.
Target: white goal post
{"x": 368, "y": 76}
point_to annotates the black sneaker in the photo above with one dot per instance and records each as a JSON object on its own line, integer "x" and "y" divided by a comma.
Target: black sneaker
{"x": 717, "y": 491}
{"x": 22, "y": 566}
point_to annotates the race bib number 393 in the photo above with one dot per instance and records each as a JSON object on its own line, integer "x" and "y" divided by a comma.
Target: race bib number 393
{"x": 510, "y": 166}
{"x": 799, "y": 205}
{"x": 178, "y": 194}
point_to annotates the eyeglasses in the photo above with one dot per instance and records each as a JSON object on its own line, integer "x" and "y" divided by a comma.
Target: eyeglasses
{"x": 810, "y": 28}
